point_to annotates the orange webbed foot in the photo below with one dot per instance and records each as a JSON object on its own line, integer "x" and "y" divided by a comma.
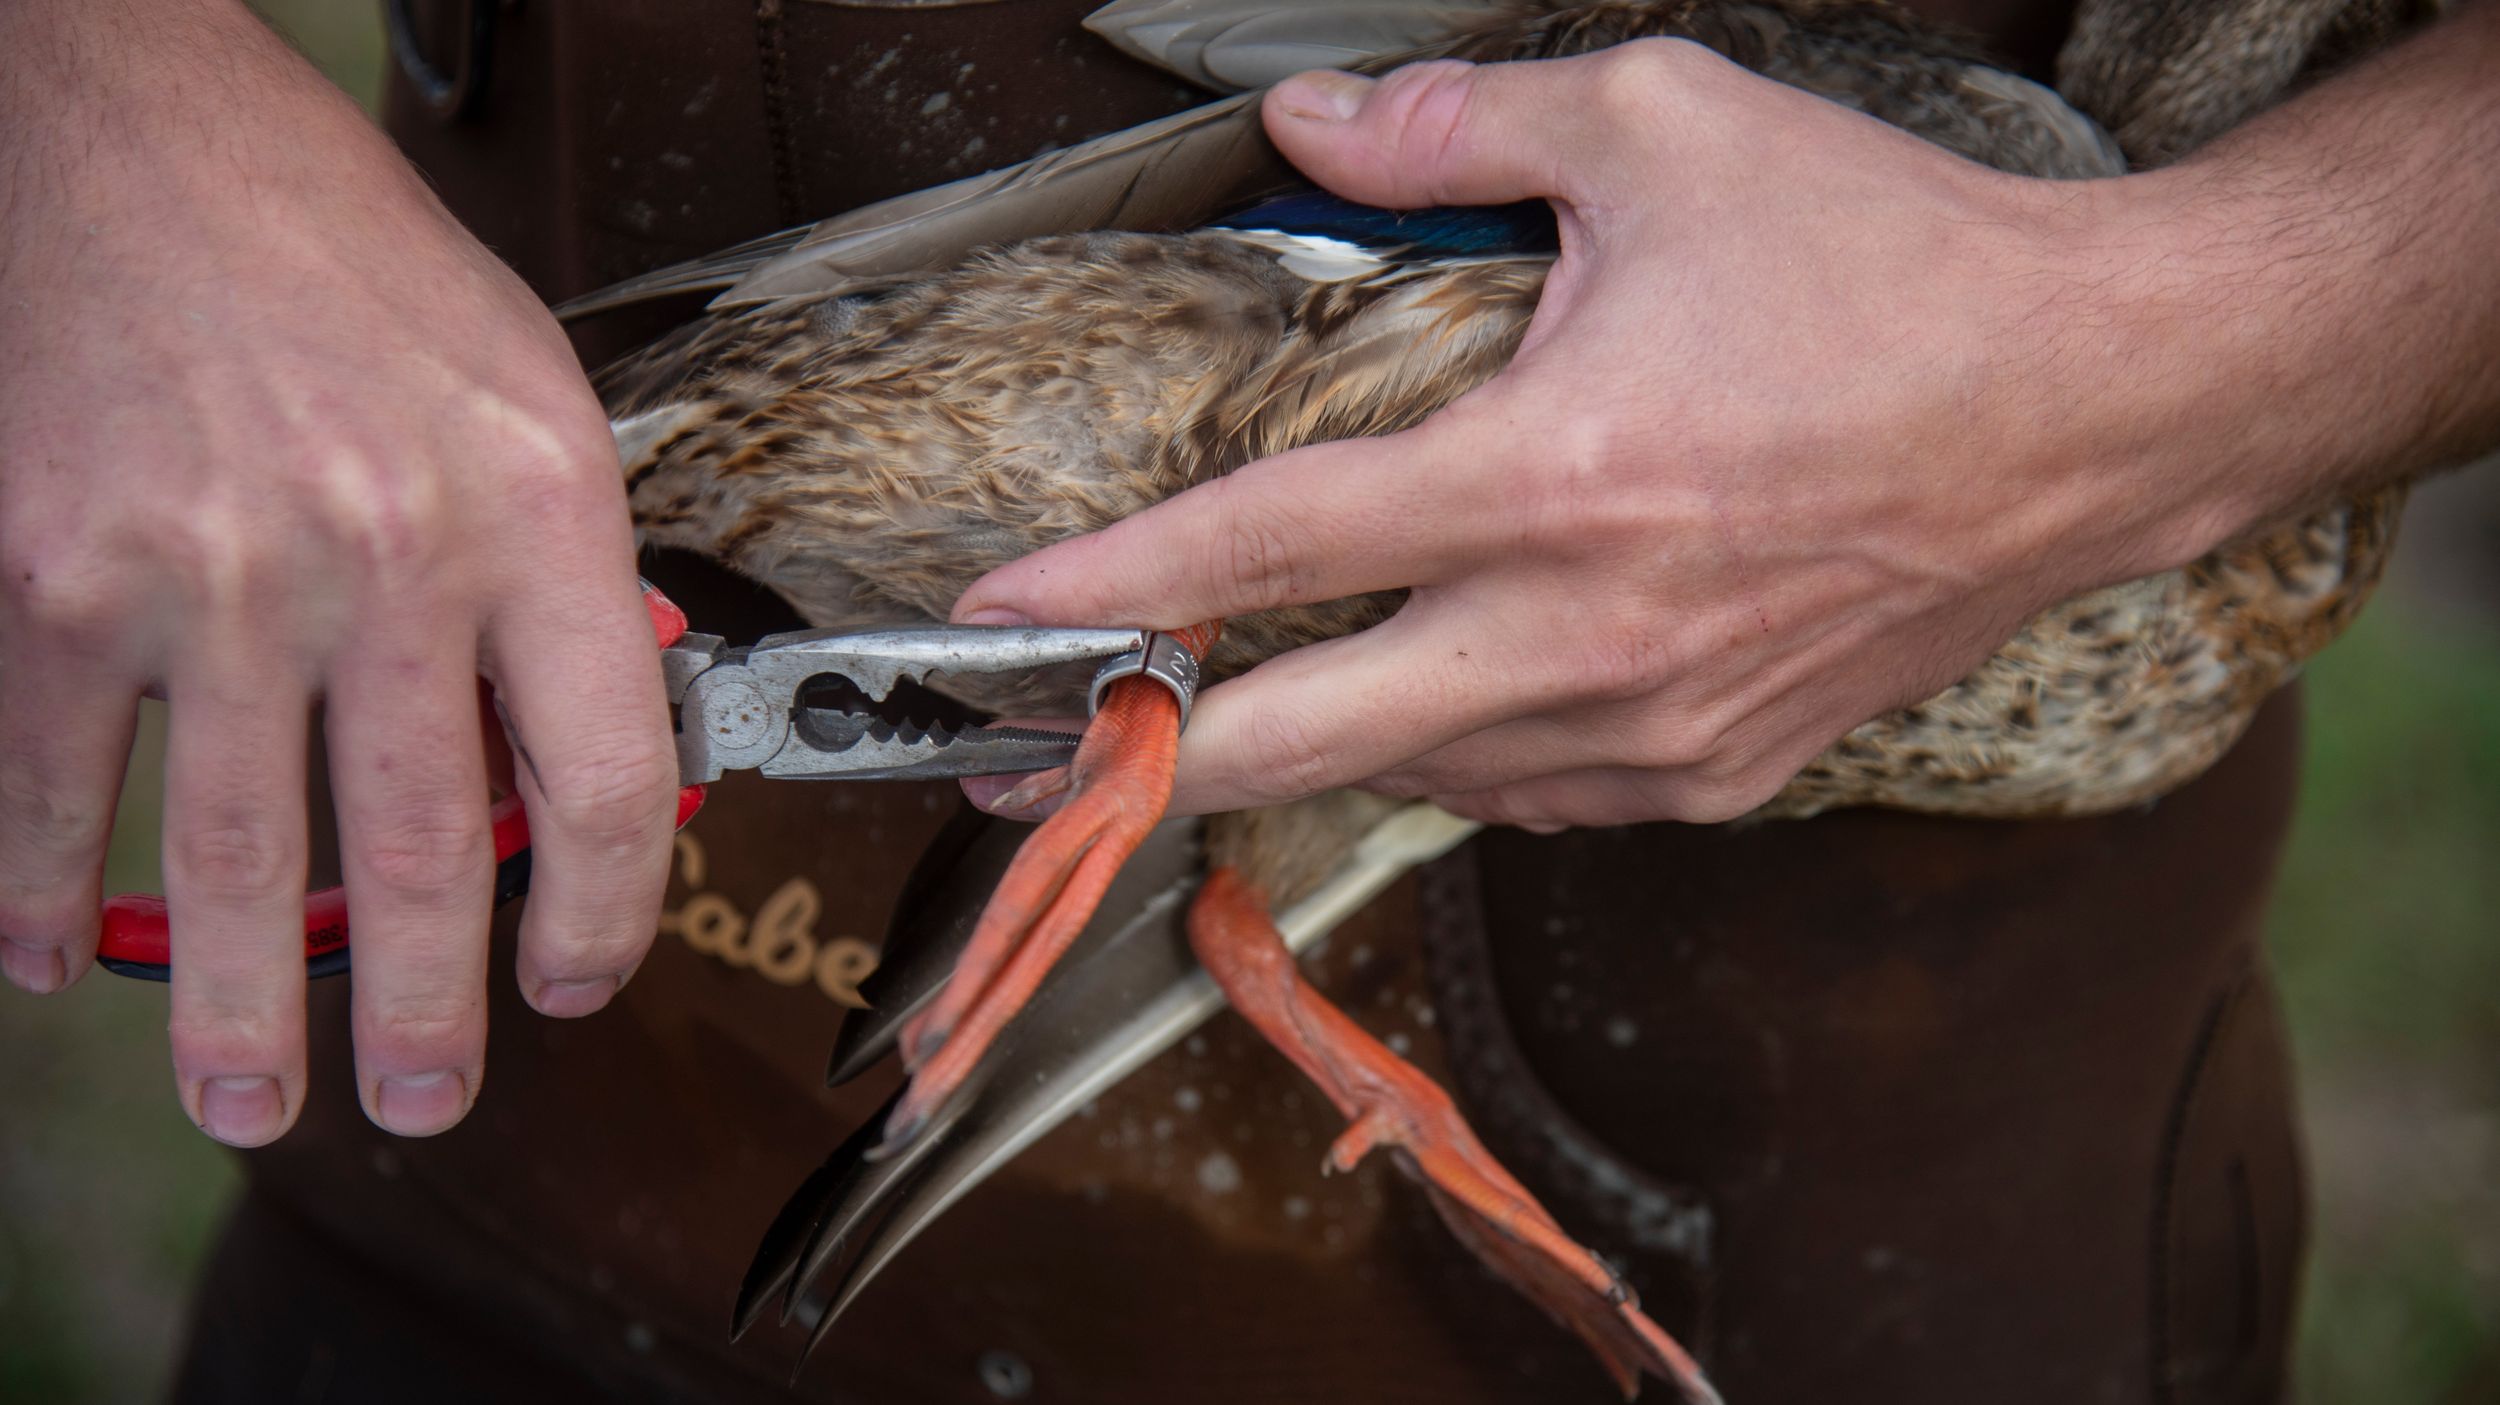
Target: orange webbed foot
{"x": 1116, "y": 787}
{"x": 1390, "y": 1103}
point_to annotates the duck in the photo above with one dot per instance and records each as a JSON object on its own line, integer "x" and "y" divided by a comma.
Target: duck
{"x": 874, "y": 411}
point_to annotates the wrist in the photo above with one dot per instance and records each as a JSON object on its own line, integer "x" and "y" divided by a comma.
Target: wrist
{"x": 2303, "y": 310}
{"x": 2196, "y": 335}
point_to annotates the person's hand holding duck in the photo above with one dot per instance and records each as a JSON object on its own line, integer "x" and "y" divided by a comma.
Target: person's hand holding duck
{"x": 1811, "y": 417}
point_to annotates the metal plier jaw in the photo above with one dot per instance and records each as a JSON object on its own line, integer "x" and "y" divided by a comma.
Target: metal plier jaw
{"x": 741, "y": 708}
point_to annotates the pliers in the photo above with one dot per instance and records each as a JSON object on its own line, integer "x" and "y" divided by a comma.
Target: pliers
{"x": 748, "y": 707}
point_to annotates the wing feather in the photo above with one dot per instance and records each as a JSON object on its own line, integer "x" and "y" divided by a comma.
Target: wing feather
{"x": 1231, "y": 46}
{"x": 1165, "y": 175}
{"x": 709, "y": 274}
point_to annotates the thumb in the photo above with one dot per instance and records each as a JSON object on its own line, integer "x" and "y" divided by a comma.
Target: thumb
{"x": 1447, "y": 133}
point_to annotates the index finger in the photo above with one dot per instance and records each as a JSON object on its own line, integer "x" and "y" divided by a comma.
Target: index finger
{"x": 1321, "y": 522}
{"x": 578, "y": 676}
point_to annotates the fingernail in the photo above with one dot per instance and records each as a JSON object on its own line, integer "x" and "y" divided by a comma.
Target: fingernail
{"x": 986, "y": 791}
{"x": 1324, "y": 95}
{"x": 244, "y": 1111}
{"x": 571, "y": 999}
{"x": 997, "y": 614}
{"x": 420, "y": 1104}
{"x": 37, "y": 971}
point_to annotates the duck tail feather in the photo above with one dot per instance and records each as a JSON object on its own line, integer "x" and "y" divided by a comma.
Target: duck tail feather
{"x": 940, "y": 904}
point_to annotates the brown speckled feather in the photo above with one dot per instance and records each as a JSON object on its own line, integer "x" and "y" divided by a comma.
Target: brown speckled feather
{"x": 2166, "y": 76}
{"x": 870, "y": 456}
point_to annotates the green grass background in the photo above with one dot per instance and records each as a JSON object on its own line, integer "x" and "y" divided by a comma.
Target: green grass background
{"x": 2386, "y": 922}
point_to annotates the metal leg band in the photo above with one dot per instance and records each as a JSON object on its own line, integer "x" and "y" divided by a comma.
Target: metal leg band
{"x": 1164, "y": 659}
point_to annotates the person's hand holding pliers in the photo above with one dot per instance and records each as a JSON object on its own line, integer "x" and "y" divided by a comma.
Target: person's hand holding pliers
{"x": 753, "y": 708}
{"x": 275, "y": 429}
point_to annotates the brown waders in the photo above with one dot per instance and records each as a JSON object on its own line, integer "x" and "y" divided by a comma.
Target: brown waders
{"x": 1870, "y": 1108}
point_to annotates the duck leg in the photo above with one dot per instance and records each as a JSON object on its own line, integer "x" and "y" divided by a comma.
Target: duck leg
{"x": 1391, "y": 1103}
{"x": 1117, "y": 787}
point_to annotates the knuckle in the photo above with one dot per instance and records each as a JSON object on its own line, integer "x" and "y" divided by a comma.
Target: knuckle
{"x": 1596, "y": 494}
{"x": 1466, "y": 807}
{"x": 58, "y": 926}
{"x": 1709, "y": 801}
{"x": 419, "y": 1032}
{"x": 554, "y": 468}
{"x": 1601, "y": 484}
{"x": 46, "y": 827}
{"x": 1259, "y": 556}
{"x": 1408, "y": 782}
{"x": 1679, "y": 741}
{"x": 1639, "y": 80}
{"x": 235, "y": 858}
{"x": 1287, "y": 759}
{"x": 613, "y": 796}
{"x": 62, "y": 591}
{"x": 211, "y": 552}
{"x": 1727, "y": 788}
{"x": 52, "y": 910}
{"x": 215, "y": 1042}
{"x": 434, "y": 855}
{"x": 1624, "y": 659}
{"x": 574, "y": 435}
{"x": 1737, "y": 787}
{"x": 1428, "y": 107}
{"x": 1484, "y": 806}
{"x": 591, "y": 952}
{"x": 1502, "y": 807}
{"x": 1459, "y": 768}
{"x": 384, "y": 517}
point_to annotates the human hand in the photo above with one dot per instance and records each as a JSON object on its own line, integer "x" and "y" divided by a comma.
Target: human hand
{"x": 1809, "y": 420}
{"x": 280, "y": 431}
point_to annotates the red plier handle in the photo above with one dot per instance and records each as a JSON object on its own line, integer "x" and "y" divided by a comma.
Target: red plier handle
{"x": 136, "y": 941}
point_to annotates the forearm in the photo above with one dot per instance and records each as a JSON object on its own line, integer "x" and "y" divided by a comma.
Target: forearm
{"x": 176, "y": 114}
{"x": 2310, "y": 306}
{"x": 116, "y": 63}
